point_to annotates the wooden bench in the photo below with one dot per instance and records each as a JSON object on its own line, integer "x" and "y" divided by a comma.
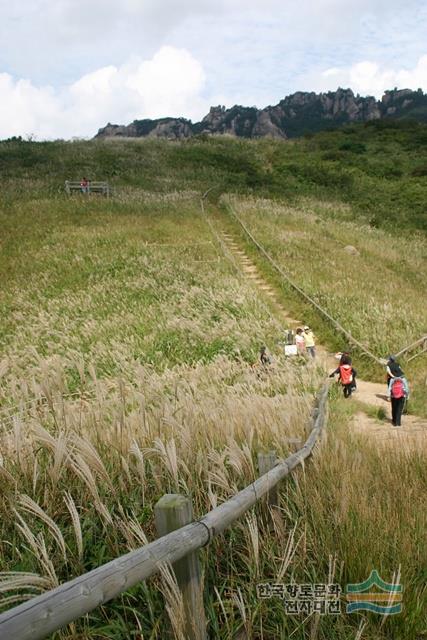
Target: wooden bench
{"x": 93, "y": 187}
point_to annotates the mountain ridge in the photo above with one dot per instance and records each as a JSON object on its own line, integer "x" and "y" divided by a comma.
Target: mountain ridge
{"x": 299, "y": 113}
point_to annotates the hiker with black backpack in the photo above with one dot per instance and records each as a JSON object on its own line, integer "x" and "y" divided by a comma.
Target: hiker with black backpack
{"x": 391, "y": 368}
{"x": 398, "y": 392}
{"x": 346, "y": 375}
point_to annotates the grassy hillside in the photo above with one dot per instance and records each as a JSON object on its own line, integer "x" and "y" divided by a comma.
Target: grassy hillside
{"x": 378, "y": 169}
{"x": 88, "y": 276}
{"x": 127, "y": 339}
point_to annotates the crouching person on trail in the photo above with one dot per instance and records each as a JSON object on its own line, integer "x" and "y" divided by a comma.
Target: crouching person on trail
{"x": 264, "y": 358}
{"x": 346, "y": 375}
{"x": 398, "y": 392}
{"x": 263, "y": 363}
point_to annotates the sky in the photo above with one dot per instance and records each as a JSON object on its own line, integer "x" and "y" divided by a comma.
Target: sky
{"x": 68, "y": 67}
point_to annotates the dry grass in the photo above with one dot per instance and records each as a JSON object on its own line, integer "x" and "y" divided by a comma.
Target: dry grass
{"x": 125, "y": 374}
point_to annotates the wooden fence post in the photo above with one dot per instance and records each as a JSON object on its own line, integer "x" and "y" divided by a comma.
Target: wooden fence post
{"x": 171, "y": 512}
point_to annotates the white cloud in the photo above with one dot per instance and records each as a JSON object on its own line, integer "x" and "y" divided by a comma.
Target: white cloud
{"x": 90, "y": 61}
{"x": 24, "y": 108}
{"x": 415, "y": 78}
{"x": 371, "y": 78}
{"x": 170, "y": 83}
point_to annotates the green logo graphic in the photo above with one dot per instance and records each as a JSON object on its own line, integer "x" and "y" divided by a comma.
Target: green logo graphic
{"x": 385, "y": 600}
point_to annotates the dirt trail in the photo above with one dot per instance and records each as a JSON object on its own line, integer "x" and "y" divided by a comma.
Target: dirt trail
{"x": 414, "y": 429}
{"x": 252, "y": 273}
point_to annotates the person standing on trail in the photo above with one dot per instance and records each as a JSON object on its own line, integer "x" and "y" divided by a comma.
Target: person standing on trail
{"x": 300, "y": 342}
{"x": 346, "y": 375}
{"x": 309, "y": 341}
{"x": 398, "y": 392}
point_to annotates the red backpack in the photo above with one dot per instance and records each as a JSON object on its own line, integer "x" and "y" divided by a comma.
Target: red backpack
{"x": 397, "y": 389}
{"x": 346, "y": 374}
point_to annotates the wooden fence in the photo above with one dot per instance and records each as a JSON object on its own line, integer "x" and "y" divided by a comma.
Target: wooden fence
{"x": 92, "y": 187}
{"x": 44, "y": 614}
{"x": 420, "y": 344}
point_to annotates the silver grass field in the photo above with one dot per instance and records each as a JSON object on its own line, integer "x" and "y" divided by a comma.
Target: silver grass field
{"x": 128, "y": 370}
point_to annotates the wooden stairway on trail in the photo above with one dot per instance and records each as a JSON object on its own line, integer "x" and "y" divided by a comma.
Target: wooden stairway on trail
{"x": 252, "y": 273}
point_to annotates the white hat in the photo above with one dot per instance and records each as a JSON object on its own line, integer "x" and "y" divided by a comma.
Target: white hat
{"x": 306, "y": 328}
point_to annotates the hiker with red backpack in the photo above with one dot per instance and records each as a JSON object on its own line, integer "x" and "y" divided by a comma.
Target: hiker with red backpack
{"x": 346, "y": 375}
{"x": 398, "y": 392}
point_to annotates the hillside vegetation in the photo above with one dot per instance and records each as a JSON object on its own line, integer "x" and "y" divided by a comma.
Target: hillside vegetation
{"x": 378, "y": 169}
{"x": 127, "y": 337}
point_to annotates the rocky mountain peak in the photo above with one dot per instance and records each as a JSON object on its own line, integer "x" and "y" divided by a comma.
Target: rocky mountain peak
{"x": 293, "y": 116}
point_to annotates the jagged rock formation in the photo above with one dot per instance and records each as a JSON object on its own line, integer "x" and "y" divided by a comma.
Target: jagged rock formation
{"x": 296, "y": 114}
{"x": 172, "y": 128}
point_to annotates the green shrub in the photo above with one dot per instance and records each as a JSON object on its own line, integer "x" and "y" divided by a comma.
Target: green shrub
{"x": 419, "y": 171}
{"x": 353, "y": 147}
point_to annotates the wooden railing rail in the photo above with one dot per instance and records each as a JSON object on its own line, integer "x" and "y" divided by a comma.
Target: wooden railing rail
{"x": 422, "y": 342}
{"x": 44, "y": 614}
